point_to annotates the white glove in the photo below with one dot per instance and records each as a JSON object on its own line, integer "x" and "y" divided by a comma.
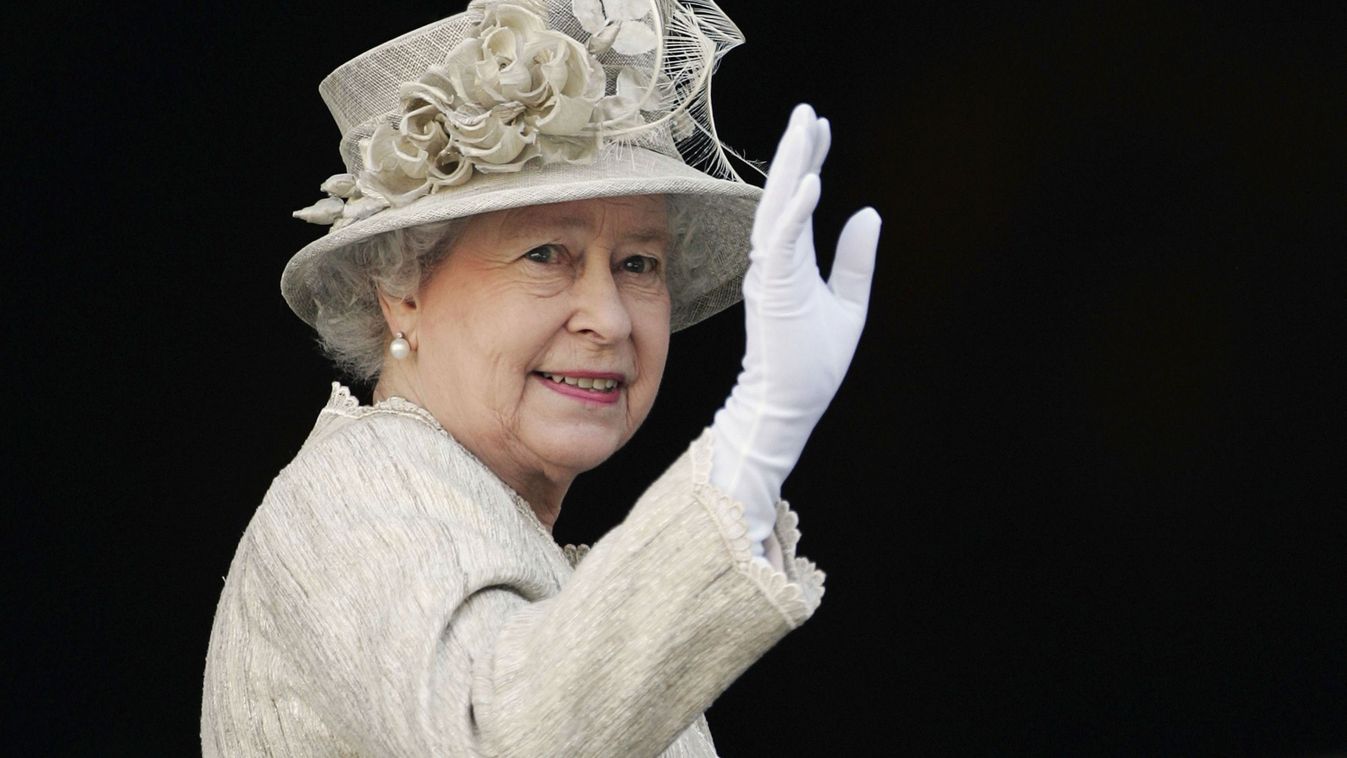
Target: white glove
{"x": 801, "y": 332}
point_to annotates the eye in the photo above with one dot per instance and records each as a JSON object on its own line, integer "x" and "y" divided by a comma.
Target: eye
{"x": 544, "y": 254}
{"x": 640, "y": 264}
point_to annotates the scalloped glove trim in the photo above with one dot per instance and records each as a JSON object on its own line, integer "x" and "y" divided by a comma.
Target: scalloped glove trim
{"x": 796, "y": 592}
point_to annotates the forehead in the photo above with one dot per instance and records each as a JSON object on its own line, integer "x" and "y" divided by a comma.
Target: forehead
{"x": 639, "y": 216}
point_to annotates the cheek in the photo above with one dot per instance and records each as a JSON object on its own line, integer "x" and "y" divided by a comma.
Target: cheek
{"x": 650, "y": 331}
{"x": 466, "y": 332}
{"x": 502, "y": 336}
{"x": 507, "y": 330}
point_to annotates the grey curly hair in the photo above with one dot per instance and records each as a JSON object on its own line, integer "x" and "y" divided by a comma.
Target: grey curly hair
{"x": 350, "y": 324}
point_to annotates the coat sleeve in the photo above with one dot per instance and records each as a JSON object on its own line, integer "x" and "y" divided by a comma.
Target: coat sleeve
{"x": 417, "y": 635}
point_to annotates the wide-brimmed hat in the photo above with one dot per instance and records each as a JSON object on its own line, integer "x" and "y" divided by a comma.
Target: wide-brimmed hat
{"x": 528, "y": 102}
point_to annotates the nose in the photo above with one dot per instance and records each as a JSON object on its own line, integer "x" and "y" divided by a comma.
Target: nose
{"x": 599, "y": 311}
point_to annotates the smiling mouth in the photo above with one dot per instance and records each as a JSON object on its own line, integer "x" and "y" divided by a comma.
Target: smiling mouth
{"x": 594, "y": 385}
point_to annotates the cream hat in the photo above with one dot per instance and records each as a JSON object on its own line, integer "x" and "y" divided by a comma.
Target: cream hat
{"x": 527, "y": 102}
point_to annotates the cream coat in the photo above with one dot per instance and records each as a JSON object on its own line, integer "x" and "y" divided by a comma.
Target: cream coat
{"x": 393, "y": 597}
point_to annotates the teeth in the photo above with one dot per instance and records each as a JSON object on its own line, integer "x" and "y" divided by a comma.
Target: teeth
{"x": 594, "y": 385}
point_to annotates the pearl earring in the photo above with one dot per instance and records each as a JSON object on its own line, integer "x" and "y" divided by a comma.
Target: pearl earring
{"x": 399, "y": 348}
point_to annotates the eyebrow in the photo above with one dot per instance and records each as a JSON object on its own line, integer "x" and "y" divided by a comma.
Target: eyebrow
{"x": 644, "y": 234}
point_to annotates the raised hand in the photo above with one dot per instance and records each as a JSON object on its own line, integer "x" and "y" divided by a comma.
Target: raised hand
{"x": 801, "y": 332}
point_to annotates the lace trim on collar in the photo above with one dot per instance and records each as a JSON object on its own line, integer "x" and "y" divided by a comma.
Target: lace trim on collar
{"x": 344, "y": 403}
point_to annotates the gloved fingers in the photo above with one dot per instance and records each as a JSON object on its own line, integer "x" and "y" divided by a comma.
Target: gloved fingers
{"x": 793, "y": 155}
{"x": 803, "y": 247}
{"x": 793, "y": 152}
{"x": 802, "y": 250}
{"x": 854, "y": 264}
{"x": 781, "y": 260}
{"x": 822, "y": 141}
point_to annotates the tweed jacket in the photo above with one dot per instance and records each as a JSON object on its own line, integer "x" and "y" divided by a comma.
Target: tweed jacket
{"x": 393, "y": 597}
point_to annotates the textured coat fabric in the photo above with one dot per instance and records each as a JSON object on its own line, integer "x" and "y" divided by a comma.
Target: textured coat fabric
{"x": 391, "y": 596}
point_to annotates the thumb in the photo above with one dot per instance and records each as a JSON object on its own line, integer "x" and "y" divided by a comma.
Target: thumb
{"x": 854, "y": 264}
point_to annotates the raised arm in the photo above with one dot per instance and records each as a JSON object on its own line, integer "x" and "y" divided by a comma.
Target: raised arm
{"x": 401, "y": 627}
{"x": 801, "y": 332}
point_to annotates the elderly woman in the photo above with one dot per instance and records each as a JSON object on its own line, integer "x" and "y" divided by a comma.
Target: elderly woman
{"x": 516, "y": 238}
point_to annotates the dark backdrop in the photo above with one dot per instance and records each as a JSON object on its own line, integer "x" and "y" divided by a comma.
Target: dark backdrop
{"x": 1081, "y": 492}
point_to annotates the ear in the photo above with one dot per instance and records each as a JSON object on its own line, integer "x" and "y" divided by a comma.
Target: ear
{"x": 401, "y": 315}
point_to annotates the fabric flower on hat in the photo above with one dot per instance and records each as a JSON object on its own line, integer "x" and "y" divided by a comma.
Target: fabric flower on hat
{"x": 513, "y": 92}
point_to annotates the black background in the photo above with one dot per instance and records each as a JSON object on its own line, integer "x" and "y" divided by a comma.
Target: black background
{"x": 1081, "y": 493}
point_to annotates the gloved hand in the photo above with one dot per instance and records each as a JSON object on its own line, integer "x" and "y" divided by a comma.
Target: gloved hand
{"x": 801, "y": 332}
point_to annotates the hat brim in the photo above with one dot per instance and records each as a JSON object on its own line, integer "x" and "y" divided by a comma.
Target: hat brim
{"x": 717, "y": 246}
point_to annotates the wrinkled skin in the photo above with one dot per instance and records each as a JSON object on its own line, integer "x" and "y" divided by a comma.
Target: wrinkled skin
{"x": 568, "y": 287}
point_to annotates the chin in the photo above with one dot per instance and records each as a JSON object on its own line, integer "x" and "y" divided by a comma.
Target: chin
{"x": 580, "y": 448}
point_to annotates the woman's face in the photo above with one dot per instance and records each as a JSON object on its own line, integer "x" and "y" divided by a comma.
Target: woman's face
{"x": 530, "y": 306}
